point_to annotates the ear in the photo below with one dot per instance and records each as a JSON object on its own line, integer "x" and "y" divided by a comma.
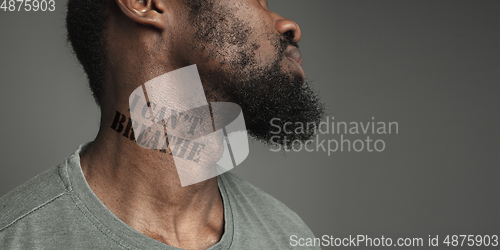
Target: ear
{"x": 146, "y": 12}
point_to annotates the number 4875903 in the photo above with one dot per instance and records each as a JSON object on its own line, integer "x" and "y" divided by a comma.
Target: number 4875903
{"x": 28, "y": 5}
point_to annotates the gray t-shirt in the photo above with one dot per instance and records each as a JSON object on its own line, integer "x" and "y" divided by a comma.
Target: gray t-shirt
{"x": 58, "y": 210}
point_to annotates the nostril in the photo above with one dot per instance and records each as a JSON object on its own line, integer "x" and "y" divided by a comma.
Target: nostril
{"x": 290, "y": 37}
{"x": 289, "y": 30}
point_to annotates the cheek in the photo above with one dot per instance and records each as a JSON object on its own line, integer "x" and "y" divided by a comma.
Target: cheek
{"x": 235, "y": 37}
{"x": 263, "y": 37}
{"x": 268, "y": 51}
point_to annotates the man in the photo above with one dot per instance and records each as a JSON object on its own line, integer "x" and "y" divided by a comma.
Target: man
{"x": 114, "y": 194}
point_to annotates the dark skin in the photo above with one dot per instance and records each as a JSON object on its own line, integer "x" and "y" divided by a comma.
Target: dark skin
{"x": 147, "y": 38}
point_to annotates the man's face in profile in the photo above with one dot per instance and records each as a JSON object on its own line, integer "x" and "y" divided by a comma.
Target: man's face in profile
{"x": 243, "y": 58}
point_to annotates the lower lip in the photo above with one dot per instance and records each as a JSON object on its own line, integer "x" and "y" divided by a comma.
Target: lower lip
{"x": 299, "y": 70}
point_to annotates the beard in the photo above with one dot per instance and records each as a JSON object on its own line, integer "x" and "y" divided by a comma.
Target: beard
{"x": 265, "y": 93}
{"x": 274, "y": 99}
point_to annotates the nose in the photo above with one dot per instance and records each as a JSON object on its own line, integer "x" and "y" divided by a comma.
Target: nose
{"x": 284, "y": 25}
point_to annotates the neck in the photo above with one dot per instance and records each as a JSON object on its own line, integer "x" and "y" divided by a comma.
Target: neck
{"x": 142, "y": 188}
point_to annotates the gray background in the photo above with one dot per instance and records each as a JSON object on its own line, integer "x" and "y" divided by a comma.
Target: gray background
{"x": 431, "y": 66}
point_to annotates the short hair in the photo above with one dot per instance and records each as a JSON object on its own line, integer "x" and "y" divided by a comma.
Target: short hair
{"x": 86, "y": 29}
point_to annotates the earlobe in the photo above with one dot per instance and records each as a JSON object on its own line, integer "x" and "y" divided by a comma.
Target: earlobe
{"x": 145, "y": 12}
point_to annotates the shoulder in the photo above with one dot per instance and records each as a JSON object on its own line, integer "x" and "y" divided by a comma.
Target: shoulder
{"x": 31, "y": 196}
{"x": 258, "y": 215}
{"x": 246, "y": 192}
